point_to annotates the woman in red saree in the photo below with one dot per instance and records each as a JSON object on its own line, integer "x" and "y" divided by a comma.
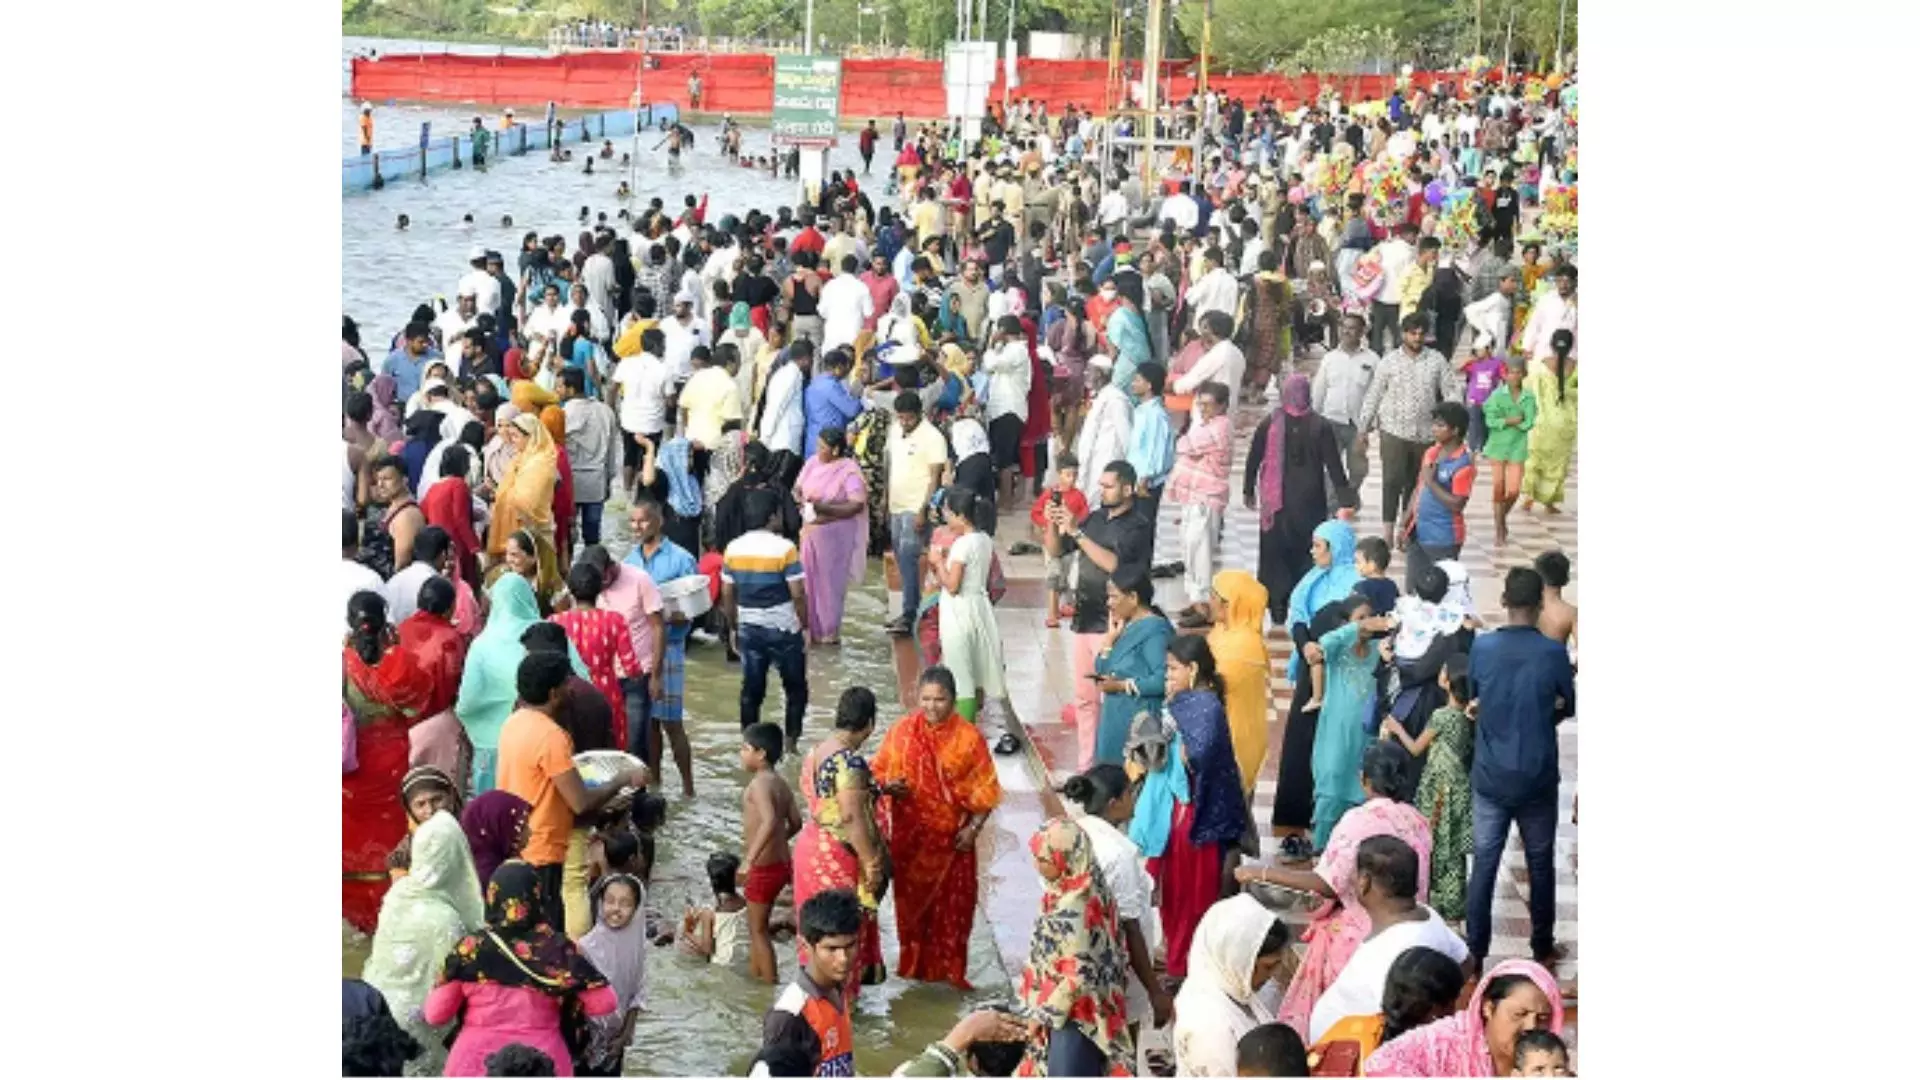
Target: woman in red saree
{"x": 449, "y": 504}
{"x": 387, "y": 691}
{"x": 840, "y": 847}
{"x": 941, "y": 785}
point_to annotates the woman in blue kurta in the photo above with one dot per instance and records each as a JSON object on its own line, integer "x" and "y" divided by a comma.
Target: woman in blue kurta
{"x": 1351, "y": 652}
{"x": 1132, "y": 665}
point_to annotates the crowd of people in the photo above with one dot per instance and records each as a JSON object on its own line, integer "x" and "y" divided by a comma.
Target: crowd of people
{"x": 1004, "y": 330}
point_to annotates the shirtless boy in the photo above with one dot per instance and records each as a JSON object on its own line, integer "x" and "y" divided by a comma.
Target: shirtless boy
{"x": 772, "y": 819}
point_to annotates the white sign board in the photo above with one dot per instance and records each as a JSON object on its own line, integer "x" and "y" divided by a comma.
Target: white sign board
{"x": 968, "y": 76}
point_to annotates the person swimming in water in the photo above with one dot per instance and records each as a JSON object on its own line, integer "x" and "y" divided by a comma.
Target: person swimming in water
{"x": 623, "y": 192}
{"x": 403, "y": 223}
{"x": 606, "y": 149}
{"x": 506, "y": 221}
{"x": 589, "y": 169}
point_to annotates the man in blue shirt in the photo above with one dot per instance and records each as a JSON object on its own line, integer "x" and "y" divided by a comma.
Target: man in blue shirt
{"x": 1524, "y": 686}
{"x": 665, "y": 561}
{"x": 828, "y": 402}
{"x": 409, "y": 362}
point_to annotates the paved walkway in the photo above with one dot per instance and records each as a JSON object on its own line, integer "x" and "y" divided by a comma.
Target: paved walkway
{"x": 1040, "y": 678}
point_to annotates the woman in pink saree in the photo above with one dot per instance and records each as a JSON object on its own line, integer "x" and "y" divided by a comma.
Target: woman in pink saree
{"x": 1516, "y": 996}
{"x": 1339, "y": 925}
{"x": 833, "y": 542}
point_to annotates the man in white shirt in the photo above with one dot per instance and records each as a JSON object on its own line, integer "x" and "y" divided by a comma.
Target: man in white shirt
{"x": 1113, "y": 207}
{"x": 548, "y": 320}
{"x": 1126, "y": 872}
{"x": 722, "y": 260}
{"x": 1491, "y": 316}
{"x": 484, "y": 286}
{"x": 710, "y": 399}
{"x": 1009, "y": 371}
{"x": 597, "y": 275}
{"x": 597, "y": 324}
{"x": 1558, "y": 310}
{"x": 431, "y": 549}
{"x": 845, "y": 305}
{"x": 1251, "y": 247}
{"x": 640, "y": 385}
{"x": 783, "y": 417}
{"x": 1107, "y": 429}
{"x": 683, "y": 332}
{"x": 1386, "y": 875}
{"x": 1340, "y": 390}
{"x": 454, "y": 322}
{"x": 1181, "y": 209}
{"x": 1216, "y": 289}
{"x": 1223, "y": 362}
{"x": 1396, "y": 255}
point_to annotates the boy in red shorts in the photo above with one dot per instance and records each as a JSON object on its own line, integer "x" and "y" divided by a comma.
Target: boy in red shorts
{"x": 772, "y": 819}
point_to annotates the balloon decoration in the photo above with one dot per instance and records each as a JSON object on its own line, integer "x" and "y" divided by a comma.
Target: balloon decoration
{"x": 1436, "y": 193}
{"x": 1298, "y": 195}
{"x": 1387, "y": 193}
{"x": 1560, "y": 217}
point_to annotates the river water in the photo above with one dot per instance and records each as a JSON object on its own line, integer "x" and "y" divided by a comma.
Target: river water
{"x": 702, "y": 1020}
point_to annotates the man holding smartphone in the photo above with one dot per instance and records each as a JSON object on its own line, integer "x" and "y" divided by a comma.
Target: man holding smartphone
{"x": 1115, "y": 538}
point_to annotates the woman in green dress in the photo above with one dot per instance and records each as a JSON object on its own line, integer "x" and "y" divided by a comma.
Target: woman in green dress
{"x": 1444, "y": 797}
{"x": 1510, "y": 413}
{"x": 1132, "y": 665}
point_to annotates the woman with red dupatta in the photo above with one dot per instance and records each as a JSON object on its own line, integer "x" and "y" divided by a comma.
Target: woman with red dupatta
{"x": 387, "y": 691}
{"x": 840, "y": 847}
{"x": 940, "y": 782}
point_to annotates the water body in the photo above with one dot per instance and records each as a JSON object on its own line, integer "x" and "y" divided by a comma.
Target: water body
{"x": 702, "y": 1020}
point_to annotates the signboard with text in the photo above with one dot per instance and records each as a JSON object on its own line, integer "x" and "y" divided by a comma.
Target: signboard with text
{"x": 806, "y": 101}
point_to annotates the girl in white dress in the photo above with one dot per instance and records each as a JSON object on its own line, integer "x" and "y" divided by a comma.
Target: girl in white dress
{"x": 969, "y": 637}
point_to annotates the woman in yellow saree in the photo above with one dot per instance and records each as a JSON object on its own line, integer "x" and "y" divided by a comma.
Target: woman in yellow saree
{"x": 525, "y": 499}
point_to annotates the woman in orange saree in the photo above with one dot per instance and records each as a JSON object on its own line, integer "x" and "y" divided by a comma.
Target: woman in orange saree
{"x": 940, "y": 785}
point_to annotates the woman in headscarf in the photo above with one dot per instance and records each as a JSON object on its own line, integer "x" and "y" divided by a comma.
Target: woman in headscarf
{"x": 833, "y": 542}
{"x": 385, "y": 422}
{"x": 554, "y": 419}
{"x": 617, "y": 947}
{"x": 387, "y": 691}
{"x": 973, "y": 468}
{"x": 1331, "y": 578}
{"x": 950, "y": 390}
{"x": 1238, "y": 948}
{"x": 903, "y": 340}
{"x": 496, "y": 824}
{"x": 1271, "y": 331}
{"x": 1292, "y": 457}
{"x": 423, "y": 433}
{"x": 1340, "y": 924}
{"x": 1516, "y": 996}
{"x": 1240, "y": 653}
{"x": 488, "y": 686}
{"x": 424, "y": 791}
{"x": 526, "y": 495}
{"x": 942, "y": 784}
{"x": 517, "y": 980}
{"x": 1191, "y": 808}
{"x": 423, "y": 916}
{"x": 499, "y": 452}
{"x": 1075, "y": 981}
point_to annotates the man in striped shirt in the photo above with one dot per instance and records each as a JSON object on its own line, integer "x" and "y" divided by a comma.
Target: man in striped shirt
{"x": 764, "y": 594}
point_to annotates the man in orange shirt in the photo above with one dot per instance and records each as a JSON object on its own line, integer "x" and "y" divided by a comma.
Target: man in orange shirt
{"x": 366, "y": 130}
{"x": 536, "y": 763}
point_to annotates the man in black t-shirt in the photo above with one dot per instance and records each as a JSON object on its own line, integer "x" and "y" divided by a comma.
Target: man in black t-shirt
{"x": 997, "y": 236}
{"x": 1115, "y": 540}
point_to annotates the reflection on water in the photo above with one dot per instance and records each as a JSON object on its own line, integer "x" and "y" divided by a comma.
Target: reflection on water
{"x": 703, "y": 1018}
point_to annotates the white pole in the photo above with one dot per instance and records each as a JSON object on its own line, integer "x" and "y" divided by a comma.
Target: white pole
{"x": 808, "y": 47}
{"x": 1560, "y": 38}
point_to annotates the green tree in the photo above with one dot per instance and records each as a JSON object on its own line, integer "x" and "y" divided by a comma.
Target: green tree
{"x": 1257, "y": 35}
